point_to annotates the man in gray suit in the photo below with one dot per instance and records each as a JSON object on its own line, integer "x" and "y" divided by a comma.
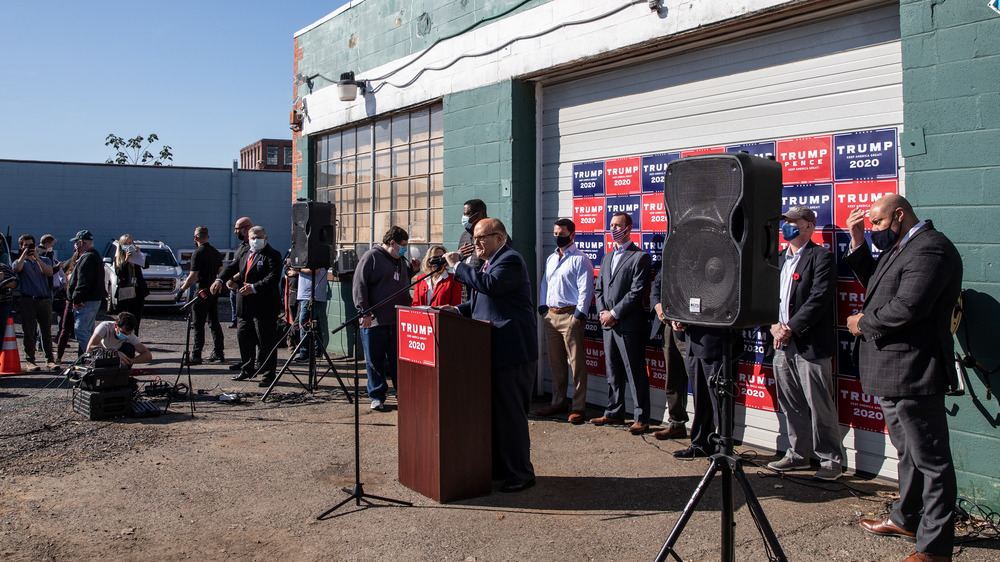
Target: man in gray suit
{"x": 906, "y": 360}
{"x": 621, "y": 287}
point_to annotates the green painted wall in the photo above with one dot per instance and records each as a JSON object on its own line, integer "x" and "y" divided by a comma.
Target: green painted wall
{"x": 376, "y": 32}
{"x": 951, "y": 104}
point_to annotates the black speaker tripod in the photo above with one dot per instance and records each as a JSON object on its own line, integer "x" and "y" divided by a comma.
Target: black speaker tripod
{"x": 357, "y": 492}
{"x": 729, "y": 465}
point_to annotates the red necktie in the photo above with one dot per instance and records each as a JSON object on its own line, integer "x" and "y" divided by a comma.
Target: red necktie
{"x": 485, "y": 265}
{"x": 249, "y": 263}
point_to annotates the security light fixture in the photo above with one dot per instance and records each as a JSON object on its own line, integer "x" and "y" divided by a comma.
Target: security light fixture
{"x": 348, "y": 87}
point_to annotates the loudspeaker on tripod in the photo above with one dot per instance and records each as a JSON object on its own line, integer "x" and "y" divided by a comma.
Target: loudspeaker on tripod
{"x": 312, "y": 234}
{"x": 720, "y": 254}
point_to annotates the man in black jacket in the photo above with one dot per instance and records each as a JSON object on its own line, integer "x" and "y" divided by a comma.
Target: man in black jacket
{"x": 86, "y": 288}
{"x": 804, "y": 344}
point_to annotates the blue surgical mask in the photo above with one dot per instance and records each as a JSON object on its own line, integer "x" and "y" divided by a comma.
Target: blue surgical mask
{"x": 257, "y": 244}
{"x": 465, "y": 222}
{"x": 401, "y": 251}
{"x": 121, "y": 336}
{"x": 885, "y": 239}
{"x": 789, "y": 231}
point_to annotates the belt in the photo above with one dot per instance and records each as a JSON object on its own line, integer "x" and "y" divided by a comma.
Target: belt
{"x": 563, "y": 310}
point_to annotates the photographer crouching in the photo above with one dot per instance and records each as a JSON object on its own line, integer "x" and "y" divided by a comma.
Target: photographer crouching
{"x": 120, "y": 336}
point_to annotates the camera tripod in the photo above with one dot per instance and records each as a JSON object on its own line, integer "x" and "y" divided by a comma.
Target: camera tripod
{"x": 185, "y": 360}
{"x": 730, "y": 466}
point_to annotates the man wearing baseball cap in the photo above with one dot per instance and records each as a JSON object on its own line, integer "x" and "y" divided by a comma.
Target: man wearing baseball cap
{"x": 804, "y": 344}
{"x": 86, "y": 288}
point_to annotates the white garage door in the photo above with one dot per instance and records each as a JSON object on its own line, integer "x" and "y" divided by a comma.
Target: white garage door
{"x": 822, "y": 78}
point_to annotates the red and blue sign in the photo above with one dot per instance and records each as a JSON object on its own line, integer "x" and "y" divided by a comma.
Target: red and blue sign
{"x": 588, "y": 179}
{"x": 865, "y": 155}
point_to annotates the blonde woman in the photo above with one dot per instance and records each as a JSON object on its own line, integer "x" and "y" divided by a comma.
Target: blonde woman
{"x": 131, "y": 292}
{"x": 440, "y": 288}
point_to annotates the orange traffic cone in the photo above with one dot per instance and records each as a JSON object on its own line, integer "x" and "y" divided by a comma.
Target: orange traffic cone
{"x": 10, "y": 359}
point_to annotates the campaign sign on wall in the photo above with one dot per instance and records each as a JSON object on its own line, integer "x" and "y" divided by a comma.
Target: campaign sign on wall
{"x": 592, "y": 327}
{"x": 850, "y": 195}
{"x": 654, "y": 168}
{"x": 857, "y": 409}
{"x": 843, "y": 244}
{"x": 700, "y": 151}
{"x": 863, "y": 155}
{"x": 845, "y": 352}
{"x": 656, "y": 368}
{"x": 652, "y": 244}
{"x": 588, "y": 214}
{"x": 594, "y": 350}
{"x": 756, "y": 387}
{"x": 756, "y": 348}
{"x": 850, "y": 299}
{"x": 623, "y": 176}
{"x": 628, "y": 204}
{"x": 806, "y": 159}
{"x": 588, "y": 179}
{"x": 816, "y": 196}
{"x": 654, "y": 213}
{"x": 759, "y": 149}
{"x": 592, "y": 246}
{"x": 416, "y": 336}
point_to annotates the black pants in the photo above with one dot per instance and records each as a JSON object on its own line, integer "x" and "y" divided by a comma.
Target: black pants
{"x": 134, "y": 306}
{"x": 257, "y": 333}
{"x": 674, "y": 351}
{"x": 207, "y": 309}
{"x": 36, "y": 314}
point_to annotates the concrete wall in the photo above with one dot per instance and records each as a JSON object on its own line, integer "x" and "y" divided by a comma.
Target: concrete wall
{"x": 151, "y": 203}
{"x": 951, "y": 140}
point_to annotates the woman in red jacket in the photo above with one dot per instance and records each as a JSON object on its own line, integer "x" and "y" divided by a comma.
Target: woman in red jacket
{"x": 440, "y": 288}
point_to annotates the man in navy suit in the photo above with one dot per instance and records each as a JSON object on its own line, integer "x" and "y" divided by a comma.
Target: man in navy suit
{"x": 621, "y": 287}
{"x": 804, "y": 344}
{"x": 907, "y": 360}
{"x": 501, "y": 294}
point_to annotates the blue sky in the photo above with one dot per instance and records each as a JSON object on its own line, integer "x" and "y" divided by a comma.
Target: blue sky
{"x": 208, "y": 77}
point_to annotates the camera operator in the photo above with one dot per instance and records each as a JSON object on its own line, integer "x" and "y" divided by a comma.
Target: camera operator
{"x": 120, "y": 336}
{"x": 36, "y": 301}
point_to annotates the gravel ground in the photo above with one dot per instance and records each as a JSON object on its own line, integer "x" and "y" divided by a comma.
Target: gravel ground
{"x": 248, "y": 480}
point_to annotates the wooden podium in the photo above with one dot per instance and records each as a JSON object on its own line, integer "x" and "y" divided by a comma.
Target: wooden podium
{"x": 444, "y": 404}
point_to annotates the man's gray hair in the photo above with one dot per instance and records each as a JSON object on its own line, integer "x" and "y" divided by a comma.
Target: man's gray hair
{"x": 258, "y": 230}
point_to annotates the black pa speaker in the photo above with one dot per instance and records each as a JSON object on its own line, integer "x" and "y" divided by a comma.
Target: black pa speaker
{"x": 720, "y": 254}
{"x": 312, "y": 234}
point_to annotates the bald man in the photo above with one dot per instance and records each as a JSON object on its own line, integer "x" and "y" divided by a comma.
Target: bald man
{"x": 906, "y": 359}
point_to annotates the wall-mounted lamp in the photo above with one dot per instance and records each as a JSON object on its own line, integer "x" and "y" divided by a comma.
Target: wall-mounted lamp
{"x": 348, "y": 87}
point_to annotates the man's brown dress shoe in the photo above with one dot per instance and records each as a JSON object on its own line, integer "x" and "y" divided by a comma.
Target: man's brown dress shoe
{"x": 672, "y": 432}
{"x": 921, "y": 557}
{"x": 552, "y": 409}
{"x": 605, "y": 420}
{"x": 887, "y": 528}
{"x": 577, "y": 418}
{"x": 638, "y": 428}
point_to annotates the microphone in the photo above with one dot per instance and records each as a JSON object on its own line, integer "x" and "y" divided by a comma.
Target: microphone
{"x": 438, "y": 262}
{"x": 200, "y": 295}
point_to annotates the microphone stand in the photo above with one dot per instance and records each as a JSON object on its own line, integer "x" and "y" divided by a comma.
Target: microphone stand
{"x": 357, "y": 492}
{"x": 186, "y": 356}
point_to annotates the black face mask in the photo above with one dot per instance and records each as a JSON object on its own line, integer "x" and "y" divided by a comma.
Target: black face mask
{"x": 563, "y": 241}
{"x": 239, "y": 235}
{"x": 885, "y": 239}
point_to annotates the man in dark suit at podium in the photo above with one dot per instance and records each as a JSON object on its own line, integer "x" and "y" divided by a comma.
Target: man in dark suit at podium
{"x": 501, "y": 294}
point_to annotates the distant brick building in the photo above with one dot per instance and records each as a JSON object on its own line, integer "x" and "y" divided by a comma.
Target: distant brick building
{"x": 267, "y": 154}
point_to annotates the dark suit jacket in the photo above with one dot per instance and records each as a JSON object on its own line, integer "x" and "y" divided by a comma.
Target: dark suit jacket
{"x": 502, "y": 295}
{"x": 812, "y": 303}
{"x": 906, "y": 347}
{"x": 264, "y": 275}
{"x": 623, "y": 291}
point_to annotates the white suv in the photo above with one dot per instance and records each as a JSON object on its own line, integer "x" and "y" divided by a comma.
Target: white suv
{"x": 163, "y": 276}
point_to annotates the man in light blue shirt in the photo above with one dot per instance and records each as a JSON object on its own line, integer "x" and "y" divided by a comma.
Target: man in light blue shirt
{"x": 319, "y": 321}
{"x": 564, "y": 298}
{"x": 35, "y": 274}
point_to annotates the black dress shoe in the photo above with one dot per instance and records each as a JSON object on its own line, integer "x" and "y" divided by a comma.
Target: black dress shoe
{"x": 216, "y": 358}
{"x": 194, "y": 360}
{"x": 690, "y": 453}
{"x": 509, "y": 487}
{"x": 236, "y": 367}
{"x": 242, "y": 377}
{"x": 266, "y": 381}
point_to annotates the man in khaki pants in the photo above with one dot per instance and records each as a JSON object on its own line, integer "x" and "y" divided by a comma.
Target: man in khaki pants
{"x": 564, "y": 298}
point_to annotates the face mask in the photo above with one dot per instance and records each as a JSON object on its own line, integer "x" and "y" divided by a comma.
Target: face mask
{"x": 789, "y": 231}
{"x": 121, "y": 336}
{"x": 257, "y": 244}
{"x": 621, "y": 236}
{"x": 401, "y": 251}
{"x": 239, "y": 235}
{"x": 562, "y": 241}
{"x": 885, "y": 239}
